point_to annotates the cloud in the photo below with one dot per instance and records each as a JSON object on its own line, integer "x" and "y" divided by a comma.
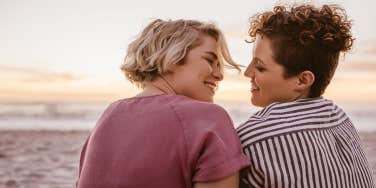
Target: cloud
{"x": 29, "y": 74}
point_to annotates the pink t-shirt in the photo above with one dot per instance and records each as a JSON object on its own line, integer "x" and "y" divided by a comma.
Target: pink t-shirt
{"x": 167, "y": 141}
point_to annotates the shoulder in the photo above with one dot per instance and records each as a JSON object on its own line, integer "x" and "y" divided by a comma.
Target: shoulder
{"x": 188, "y": 107}
{"x": 285, "y": 118}
{"x": 212, "y": 144}
{"x": 199, "y": 118}
{"x": 187, "y": 102}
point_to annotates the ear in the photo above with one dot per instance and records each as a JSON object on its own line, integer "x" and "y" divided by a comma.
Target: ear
{"x": 305, "y": 80}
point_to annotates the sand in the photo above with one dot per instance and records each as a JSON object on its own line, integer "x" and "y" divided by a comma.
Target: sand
{"x": 39, "y": 159}
{"x": 49, "y": 159}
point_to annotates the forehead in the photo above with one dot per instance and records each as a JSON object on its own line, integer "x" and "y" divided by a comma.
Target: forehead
{"x": 206, "y": 41}
{"x": 208, "y": 46}
{"x": 262, "y": 49}
{"x": 204, "y": 44}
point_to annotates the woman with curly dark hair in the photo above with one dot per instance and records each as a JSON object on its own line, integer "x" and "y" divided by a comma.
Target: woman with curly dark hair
{"x": 300, "y": 139}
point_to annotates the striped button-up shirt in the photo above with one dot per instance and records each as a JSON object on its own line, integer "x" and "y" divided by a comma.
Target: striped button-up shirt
{"x": 305, "y": 143}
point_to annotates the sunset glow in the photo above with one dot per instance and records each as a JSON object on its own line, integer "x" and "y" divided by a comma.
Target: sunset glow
{"x": 70, "y": 51}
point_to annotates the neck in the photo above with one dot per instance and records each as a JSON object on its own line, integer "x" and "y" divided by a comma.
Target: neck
{"x": 302, "y": 95}
{"x": 157, "y": 87}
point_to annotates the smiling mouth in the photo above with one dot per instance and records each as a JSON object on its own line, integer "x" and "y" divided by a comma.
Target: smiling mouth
{"x": 211, "y": 85}
{"x": 254, "y": 88}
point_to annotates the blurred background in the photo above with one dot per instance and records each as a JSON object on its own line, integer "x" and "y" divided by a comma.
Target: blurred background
{"x": 59, "y": 69}
{"x": 59, "y": 60}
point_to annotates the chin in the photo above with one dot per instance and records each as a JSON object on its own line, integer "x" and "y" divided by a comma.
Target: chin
{"x": 257, "y": 103}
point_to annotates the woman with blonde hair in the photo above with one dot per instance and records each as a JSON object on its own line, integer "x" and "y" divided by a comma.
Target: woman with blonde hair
{"x": 170, "y": 134}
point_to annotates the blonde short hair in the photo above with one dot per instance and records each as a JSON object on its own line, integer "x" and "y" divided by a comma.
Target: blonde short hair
{"x": 164, "y": 43}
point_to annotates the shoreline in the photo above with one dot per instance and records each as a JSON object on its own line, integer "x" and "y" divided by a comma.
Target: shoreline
{"x": 50, "y": 158}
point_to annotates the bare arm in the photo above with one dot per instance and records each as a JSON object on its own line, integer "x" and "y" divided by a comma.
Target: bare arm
{"x": 227, "y": 182}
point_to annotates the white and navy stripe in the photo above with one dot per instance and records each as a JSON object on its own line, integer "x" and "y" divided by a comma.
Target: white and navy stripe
{"x": 305, "y": 143}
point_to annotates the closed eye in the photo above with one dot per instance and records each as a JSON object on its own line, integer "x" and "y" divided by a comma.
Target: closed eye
{"x": 210, "y": 61}
{"x": 260, "y": 69}
{"x": 258, "y": 64}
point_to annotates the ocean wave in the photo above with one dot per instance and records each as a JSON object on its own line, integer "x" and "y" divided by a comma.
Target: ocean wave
{"x": 84, "y": 116}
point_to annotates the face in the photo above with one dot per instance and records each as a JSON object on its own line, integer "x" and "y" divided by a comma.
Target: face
{"x": 199, "y": 75}
{"x": 267, "y": 76}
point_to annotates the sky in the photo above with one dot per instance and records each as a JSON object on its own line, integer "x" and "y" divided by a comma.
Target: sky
{"x": 71, "y": 50}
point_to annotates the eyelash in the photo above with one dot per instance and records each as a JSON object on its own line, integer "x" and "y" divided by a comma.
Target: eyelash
{"x": 209, "y": 61}
{"x": 257, "y": 67}
{"x": 260, "y": 69}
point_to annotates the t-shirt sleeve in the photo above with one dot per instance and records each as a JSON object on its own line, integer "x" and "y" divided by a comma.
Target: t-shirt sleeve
{"x": 214, "y": 149}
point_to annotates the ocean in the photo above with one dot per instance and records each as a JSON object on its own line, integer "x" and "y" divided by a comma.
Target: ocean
{"x": 83, "y": 116}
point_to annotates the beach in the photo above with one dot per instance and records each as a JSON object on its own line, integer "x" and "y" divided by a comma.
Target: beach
{"x": 50, "y": 159}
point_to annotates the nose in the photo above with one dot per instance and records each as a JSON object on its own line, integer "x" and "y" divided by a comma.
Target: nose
{"x": 249, "y": 72}
{"x": 217, "y": 73}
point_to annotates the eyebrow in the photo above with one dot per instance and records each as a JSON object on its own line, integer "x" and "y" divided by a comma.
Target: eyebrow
{"x": 258, "y": 61}
{"x": 212, "y": 54}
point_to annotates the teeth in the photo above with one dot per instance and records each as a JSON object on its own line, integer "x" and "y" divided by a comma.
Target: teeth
{"x": 210, "y": 85}
{"x": 254, "y": 88}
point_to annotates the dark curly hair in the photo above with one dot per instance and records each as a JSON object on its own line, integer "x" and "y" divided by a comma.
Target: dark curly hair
{"x": 306, "y": 38}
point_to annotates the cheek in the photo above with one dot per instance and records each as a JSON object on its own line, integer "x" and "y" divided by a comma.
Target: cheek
{"x": 262, "y": 80}
{"x": 271, "y": 81}
{"x": 207, "y": 68}
{"x": 203, "y": 72}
